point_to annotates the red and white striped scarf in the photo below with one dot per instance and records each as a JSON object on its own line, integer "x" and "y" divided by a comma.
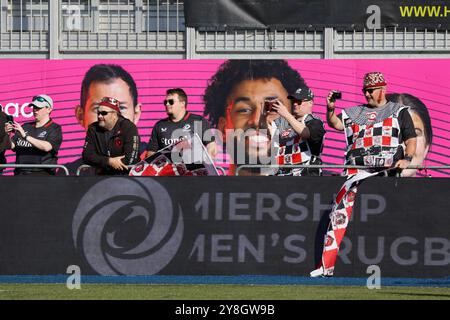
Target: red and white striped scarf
{"x": 339, "y": 217}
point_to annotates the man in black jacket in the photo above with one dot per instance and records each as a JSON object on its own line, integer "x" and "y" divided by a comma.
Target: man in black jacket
{"x": 112, "y": 142}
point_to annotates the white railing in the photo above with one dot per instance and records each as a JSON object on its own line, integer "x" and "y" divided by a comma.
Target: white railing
{"x": 329, "y": 166}
{"x": 35, "y": 166}
{"x": 85, "y": 167}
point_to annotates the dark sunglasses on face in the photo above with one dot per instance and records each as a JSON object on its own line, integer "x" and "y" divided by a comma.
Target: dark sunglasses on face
{"x": 103, "y": 113}
{"x": 371, "y": 90}
{"x": 170, "y": 101}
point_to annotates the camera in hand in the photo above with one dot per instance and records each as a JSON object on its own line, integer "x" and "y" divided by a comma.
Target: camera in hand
{"x": 336, "y": 95}
{"x": 268, "y": 105}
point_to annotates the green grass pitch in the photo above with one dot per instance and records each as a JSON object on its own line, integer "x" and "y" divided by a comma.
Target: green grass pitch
{"x": 216, "y": 292}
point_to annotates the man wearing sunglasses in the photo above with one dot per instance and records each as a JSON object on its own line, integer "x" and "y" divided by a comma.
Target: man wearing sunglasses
{"x": 178, "y": 125}
{"x": 105, "y": 80}
{"x": 112, "y": 142}
{"x": 375, "y": 131}
{"x": 36, "y": 142}
{"x": 301, "y": 134}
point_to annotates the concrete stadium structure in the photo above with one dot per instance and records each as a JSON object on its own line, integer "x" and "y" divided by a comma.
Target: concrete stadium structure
{"x": 74, "y": 29}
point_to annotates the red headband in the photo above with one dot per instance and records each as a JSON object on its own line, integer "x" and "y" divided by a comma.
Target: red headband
{"x": 112, "y": 103}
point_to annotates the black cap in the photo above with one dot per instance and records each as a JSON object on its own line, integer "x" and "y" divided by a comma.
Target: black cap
{"x": 302, "y": 94}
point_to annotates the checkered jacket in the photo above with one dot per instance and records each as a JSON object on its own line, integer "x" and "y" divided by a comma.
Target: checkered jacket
{"x": 374, "y": 143}
{"x": 292, "y": 149}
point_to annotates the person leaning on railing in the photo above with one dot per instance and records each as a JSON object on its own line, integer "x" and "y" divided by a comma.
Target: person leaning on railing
{"x": 375, "y": 132}
{"x": 36, "y": 142}
{"x": 112, "y": 142}
{"x": 99, "y": 81}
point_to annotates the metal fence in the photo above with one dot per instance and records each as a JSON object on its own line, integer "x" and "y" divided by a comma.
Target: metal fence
{"x": 24, "y": 25}
{"x": 394, "y": 40}
{"x": 275, "y": 168}
{"x": 60, "y": 28}
{"x": 123, "y": 25}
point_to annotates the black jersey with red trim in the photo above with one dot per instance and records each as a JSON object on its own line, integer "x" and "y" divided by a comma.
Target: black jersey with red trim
{"x": 167, "y": 132}
{"x": 26, "y": 153}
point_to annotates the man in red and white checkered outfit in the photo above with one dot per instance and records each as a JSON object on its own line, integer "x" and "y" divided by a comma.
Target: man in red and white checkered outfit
{"x": 380, "y": 135}
{"x": 376, "y": 131}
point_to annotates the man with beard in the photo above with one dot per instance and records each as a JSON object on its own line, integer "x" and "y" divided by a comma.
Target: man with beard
{"x": 112, "y": 142}
{"x": 105, "y": 80}
{"x": 375, "y": 131}
{"x": 237, "y": 101}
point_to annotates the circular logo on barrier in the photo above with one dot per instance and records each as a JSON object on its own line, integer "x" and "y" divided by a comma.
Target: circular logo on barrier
{"x": 127, "y": 227}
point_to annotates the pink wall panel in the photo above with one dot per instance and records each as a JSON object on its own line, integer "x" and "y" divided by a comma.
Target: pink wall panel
{"x": 426, "y": 79}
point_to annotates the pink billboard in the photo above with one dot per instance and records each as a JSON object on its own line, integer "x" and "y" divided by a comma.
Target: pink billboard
{"x": 425, "y": 79}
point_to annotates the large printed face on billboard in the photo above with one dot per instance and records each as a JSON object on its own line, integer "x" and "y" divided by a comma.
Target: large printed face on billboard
{"x": 238, "y": 101}
{"x": 422, "y": 147}
{"x": 422, "y": 125}
{"x": 245, "y": 111}
{"x": 116, "y": 88}
{"x": 426, "y": 80}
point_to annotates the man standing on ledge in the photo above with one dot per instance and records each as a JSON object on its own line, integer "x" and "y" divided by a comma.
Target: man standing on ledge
{"x": 374, "y": 135}
{"x": 375, "y": 131}
{"x": 36, "y": 142}
{"x": 112, "y": 142}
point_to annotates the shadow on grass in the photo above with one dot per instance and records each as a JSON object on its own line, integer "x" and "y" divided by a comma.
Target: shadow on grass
{"x": 431, "y": 295}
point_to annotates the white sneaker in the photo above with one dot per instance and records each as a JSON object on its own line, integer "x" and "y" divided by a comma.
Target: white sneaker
{"x": 317, "y": 273}
{"x": 321, "y": 272}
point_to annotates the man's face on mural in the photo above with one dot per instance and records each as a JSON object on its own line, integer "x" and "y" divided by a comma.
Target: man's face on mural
{"x": 116, "y": 88}
{"x": 245, "y": 111}
{"x": 422, "y": 147}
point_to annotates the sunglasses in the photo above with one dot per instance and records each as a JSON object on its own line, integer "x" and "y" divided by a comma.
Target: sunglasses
{"x": 104, "y": 113}
{"x": 371, "y": 90}
{"x": 41, "y": 99}
{"x": 169, "y": 101}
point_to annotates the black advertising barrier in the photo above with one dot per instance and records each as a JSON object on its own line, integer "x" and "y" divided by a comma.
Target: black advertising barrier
{"x": 316, "y": 14}
{"x": 219, "y": 226}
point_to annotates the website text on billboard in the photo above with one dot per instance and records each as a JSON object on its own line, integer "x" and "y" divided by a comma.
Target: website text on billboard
{"x": 424, "y": 11}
